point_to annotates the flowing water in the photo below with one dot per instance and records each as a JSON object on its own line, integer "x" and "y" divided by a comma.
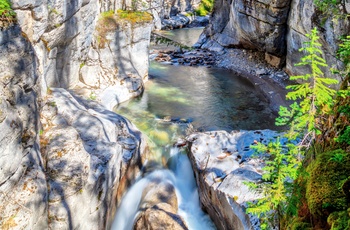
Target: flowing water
{"x": 177, "y": 100}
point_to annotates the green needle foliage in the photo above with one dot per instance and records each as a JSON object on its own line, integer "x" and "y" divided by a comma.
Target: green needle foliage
{"x": 279, "y": 173}
{"x": 205, "y": 7}
{"x": 313, "y": 99}
{"x": 315, "y": 96}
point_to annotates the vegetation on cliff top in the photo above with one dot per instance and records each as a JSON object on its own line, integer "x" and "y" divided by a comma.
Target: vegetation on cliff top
{"x": 205, "y": 7}
{"x": 109, "y": 22}
{"x": 7, "y": 15}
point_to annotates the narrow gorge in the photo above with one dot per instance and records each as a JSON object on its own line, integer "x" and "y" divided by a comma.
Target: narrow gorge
{"x": 110, "y": 122}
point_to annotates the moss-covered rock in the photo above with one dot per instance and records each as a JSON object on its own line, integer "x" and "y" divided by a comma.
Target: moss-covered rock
{"x": 339, "y": 220}
{"x": 327, "y": 174}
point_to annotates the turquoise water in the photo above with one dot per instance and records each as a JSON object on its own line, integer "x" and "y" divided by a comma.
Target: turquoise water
{"x": 177, "y": 101}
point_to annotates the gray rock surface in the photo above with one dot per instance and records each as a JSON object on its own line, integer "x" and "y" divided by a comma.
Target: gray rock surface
{"x": 116, "y": 71}
{"x": 68, "y": 170}
{"x": 303, "y": 17}
{"x": 91, "y": 155}
{"x": 159, "y": 206}
{"x": 64, "y": 38}
{"x": 254, "y": 24}
{"x": 65, "y": 161}
{"x": 277, "y": 28}
{"x": 222, "y": 162}
{"x": 23, "y": 190}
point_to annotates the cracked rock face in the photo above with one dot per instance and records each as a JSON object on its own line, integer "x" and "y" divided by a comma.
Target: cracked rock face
{"x": 72, "y": 171}
{"x": 65, "y": 40}
{"x": 303, "y": 17}
{"x": 222, "y": 163}
{"x": 276, "y": 27}
{"x": 65, "y": 161}
{"x": 249, "y": 24}
{"x": 23, "y": 191}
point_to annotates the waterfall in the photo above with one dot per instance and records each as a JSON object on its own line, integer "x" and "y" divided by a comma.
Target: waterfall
{"x": 180, "y": 175}
{"x": 187, "y": 192}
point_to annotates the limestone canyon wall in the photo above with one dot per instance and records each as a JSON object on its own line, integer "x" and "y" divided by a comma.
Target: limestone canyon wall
{"x": 65, "y": 160}
{"x": 64, "y": 38}
{"x": 277, "y": 28}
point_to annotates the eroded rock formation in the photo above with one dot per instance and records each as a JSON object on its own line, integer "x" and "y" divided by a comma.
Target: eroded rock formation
{"x": 250, "y": 24}
{"x": 65, "y": 161}
{"x": 159, "y": 205}
{"x": 277, "y": 28}
{"x": 222, "y": 162}
{"x": 66, "y": 41}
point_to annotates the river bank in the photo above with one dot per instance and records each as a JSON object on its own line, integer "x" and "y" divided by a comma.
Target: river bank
{"x": 250, "y": 64}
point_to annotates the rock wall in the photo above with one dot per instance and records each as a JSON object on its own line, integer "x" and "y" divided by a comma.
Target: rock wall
{"x": 303, "y": 18}
{"x": 65, "y": 161}
{"x": 64, "y": 37}
{"x": 277, "y": 28}
{"x": 23, "y": 190}
{"x": 250, "y": 24}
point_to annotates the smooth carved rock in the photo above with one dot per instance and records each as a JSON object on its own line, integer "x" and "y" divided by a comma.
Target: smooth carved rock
{"x": 91, "y": 155}
{"x": 158, "y": 207}
{"x": 64, "y": 35}
{"x": 222, "y": 191}
{"x": 260, "y": 25}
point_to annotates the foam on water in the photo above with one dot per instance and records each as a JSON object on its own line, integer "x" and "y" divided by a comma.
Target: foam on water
{"x": 181, "y": 176}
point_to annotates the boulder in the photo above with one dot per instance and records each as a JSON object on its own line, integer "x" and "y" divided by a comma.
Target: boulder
{"x": 159, "y": 204}
{"x": 222, "y": 162}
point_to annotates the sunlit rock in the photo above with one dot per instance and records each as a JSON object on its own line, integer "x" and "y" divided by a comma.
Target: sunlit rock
{"x": 222, "y": 162}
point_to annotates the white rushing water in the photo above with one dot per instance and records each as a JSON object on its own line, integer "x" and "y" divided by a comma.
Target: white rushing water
{"x": 181, "y": 176}
{"x": 187, "y": 193}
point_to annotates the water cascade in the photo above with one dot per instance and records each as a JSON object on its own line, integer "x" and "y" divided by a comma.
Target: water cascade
{"x": 178, "y": 100}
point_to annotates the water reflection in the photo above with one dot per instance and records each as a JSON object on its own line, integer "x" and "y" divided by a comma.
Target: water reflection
{"x": 213, "y": 99}
{"x": 186, "y": 36}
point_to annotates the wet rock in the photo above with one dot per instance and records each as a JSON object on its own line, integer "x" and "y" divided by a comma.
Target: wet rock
{"x": 185, "y": 57}
{"x": 222, "y": 163}
{"x": 159, "y": 205}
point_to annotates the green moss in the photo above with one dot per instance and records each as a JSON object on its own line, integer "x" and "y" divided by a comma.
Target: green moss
{"x": 7, "y": 15}
{"x": 106, "y": 23}
{"x": 324, "y": 187}
{"x": 205, "y": 7}
{"x": 134, "y": 16}
{"x": 339, "y": 220}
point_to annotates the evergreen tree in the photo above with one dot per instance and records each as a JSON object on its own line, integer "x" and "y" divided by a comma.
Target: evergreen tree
{"x": 314, "y": 98}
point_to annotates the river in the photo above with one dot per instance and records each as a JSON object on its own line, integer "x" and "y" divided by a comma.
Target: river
{"x": 178, "y": 100}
